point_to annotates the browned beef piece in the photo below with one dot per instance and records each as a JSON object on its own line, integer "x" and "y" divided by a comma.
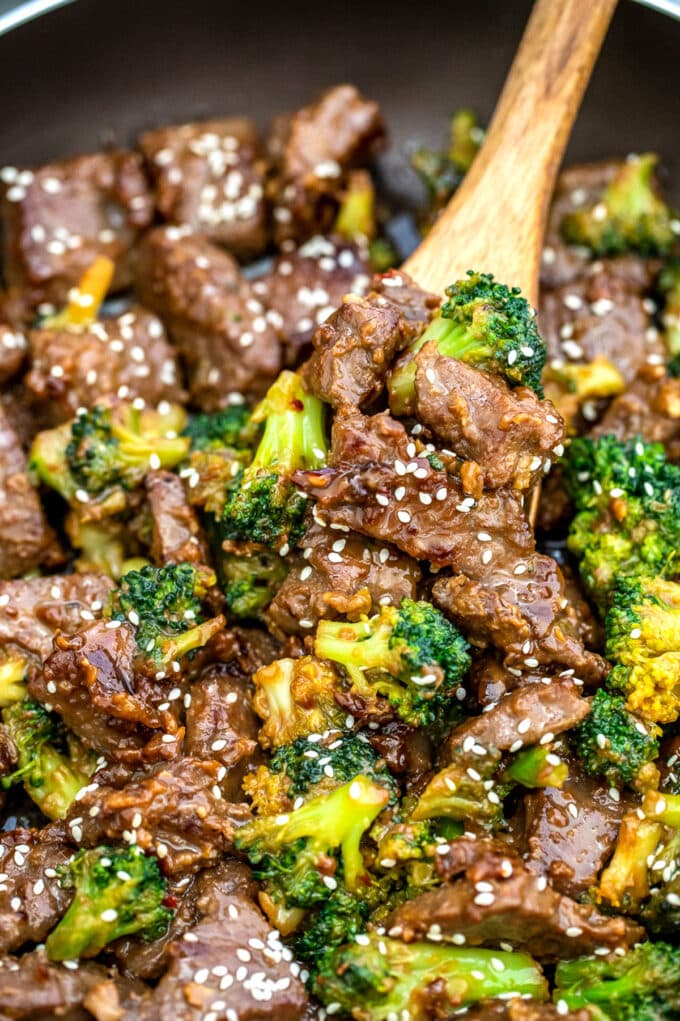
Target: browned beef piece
{"x": 378, "y": 484}
{"x": 513, "y": 906}
{"x": 509, "y": 433}
{"x": 92, "y": 681}
{"x": 233, "y": 966}
{"x": 340, "y": 573}
{"x": 601, "y": 314}
{"x": 8, "y": 752}
{"x": 209, "y": 176}
{"x": 649, "y": 408}
{"x": 571, "y": 832}
{"x": 176, "y": 536}
{"x": 522, "y": 1010}
{"x": 312, "y": 151}
{"x": 211, "y": 314}
{"x": 35, "y": 989}
{"x": 356, "y": 345}
{"x": 13, "y": 349}
{"x": 123, "y": 356}
{"x": 174, "y": 809}
{"x": 27, "y": 539}
{"x": 149, "y": 960}
{"x": 221, "y": 725}
{"x": 20, "y": 413}
{"x": 415, "y": 305}
{"x": 523, "y": 717}
{"x": 407, "y": 752}
{"x": 32, "y": 610}
{"x": 578, "y": 187}
{"x": 518, "y": 606}
{"x": 306, "y": 285}
{"x": 57, "y": 219}
{"x": 31, "y": 898}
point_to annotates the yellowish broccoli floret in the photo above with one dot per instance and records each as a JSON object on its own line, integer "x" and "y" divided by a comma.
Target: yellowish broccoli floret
{"x": 296, "y": 697}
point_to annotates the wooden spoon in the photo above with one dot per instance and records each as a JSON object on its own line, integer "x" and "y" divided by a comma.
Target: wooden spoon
{"x": 496, "y": 220}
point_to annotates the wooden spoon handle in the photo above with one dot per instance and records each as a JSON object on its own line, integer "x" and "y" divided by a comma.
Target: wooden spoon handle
{"x": 496, "y": 220}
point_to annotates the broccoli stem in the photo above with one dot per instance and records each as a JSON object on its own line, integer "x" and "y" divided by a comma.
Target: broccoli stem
{"x": 86, "y": 299}
{"x": 358, "y": 647}
{"x": 537, "y": 767}
{"x": 12, "y": 679}
{"x": 626, "y": 878}
{"x": 294, "y": 431}
{"x": 179, "y": 645}
{"x": 663, "y": 808}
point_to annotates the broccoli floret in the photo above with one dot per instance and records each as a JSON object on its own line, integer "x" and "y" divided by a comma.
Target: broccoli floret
{"x": 295, "y": 698}
{"x": 13, "y": 670}
{"x": 485, "y": 324}
{"x": 339, "y": 920}
{"x": 118, "y": 892}
{"x": 613, "y": 743}
{"x": 265, "y": 508}
{"x": 443, "y": 171}
{"x": 378, "y": 979}
{"x": 628, "y": 216}
{"x": 164, "y": 606}
{"x": 466, "y": 138}
{"x": 355, "y": 220}
{"x": 303, "y": 856}
{"x": 643, "y": 641}
{"x": 463, "y": 790}
{"x": 538, "y": 766}
{"x": 642, "y": 985}
{"x": 669, "y": 286}
{"x": 625, "y": 882}
{"x": 313, "y": 765}
{"x": 250, "y": 583}
{"x": 627, "y": 498}
{"x": 231, "y": 428}
{"x": 107, "y": 448}
{"x": 85, "y": 300}
{"x": 50, "y": 776}
{"x": 568, "y": 385}
{"x": 661, "y": 913}
{"x": 411, "y": 655}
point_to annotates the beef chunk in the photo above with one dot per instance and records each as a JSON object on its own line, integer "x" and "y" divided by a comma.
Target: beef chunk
{"x": 312, "y": 151}
{"x": 57, "y": 219}
{"x": 176, "y": 536}
{"x": 508, "y": 433}
{"x": 380, "y": 486}
{"x": 126, "y": 356}
{"x": 35, "y": 989}
{"x": 356, "y": 345}
{"x": 340, "y": 574}
{"x": 522, "y": 1010}
{"x": 175, "y": 809}
{"x": 578, "y": 187}
{"x": 415, "y": 305}
{"x": 20, "y": 413}
{"x": 209, "y": 177}
{"x": 523, "y": 717}
{"x": 571, "y": 832}
{"x": 601, "y": 314}
{"x": 211, "y": 314}
{"x": 31, "y": 899}
{"x": 234, "y": 965}
{"x": 27, "y": 539}
{"x": 13, "y": 348}
{"x": 91, "y": 681}
{"x": 149, "y": 960}
{"x": 516, "y": 907}
{"x": 221, "y": 725}
{"x": 306, "y": 285}
{"x": 649, "y": 408}
{"x": 32, "y": 610}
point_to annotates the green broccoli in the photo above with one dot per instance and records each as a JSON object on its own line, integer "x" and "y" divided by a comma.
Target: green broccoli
{"x": 411, "y": 655}
{"x": 613, "y": 743}
{"x": 668, "y": 284}
{"x": 231, "y": 428}
{"x": 338, "y": 920}
{"x": 118, "y": 892}
{"x": 537, "y": 766}
{"x": 107, "y": 449}
{"x": 355, "y": 220}
{"x": 51, "y": 774}
{"x": 463, "y": 790}
{"x": 661, "y": 913}
{"x": 295, "y": 698}
{"x": 443, "y": 171}
{"x": 643, "y": 641}
{"x": 250, "y": 583}
{"x": 14, "y": 667}
{"x": 265, "y": 508}
{"x": 164, "y": 606}
{"x": 485, "y": 324}
{"x": 624, "y": 883}
{"x": 311, "y": 766}
{"x": 627, "y": 500}
{"x": 380, "y": 979}
{"x": 641, "y": 985}
{"x": 303, "y": 856}
{"x": 628, "y": 216}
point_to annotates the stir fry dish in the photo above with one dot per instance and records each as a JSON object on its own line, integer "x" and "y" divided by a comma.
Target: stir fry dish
{"x": 305, "y": 713}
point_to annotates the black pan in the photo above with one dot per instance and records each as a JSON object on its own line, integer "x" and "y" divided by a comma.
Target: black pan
{"x": 98, "y": 71}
